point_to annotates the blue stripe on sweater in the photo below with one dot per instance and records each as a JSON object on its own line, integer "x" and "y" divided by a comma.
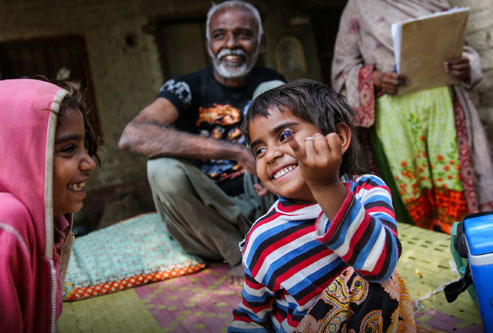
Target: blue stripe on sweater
{"x": 286, "y": 258}
{"x": 267, "y": 236}
{"x": 365, "y": 251}
{"x": 246, "y": 330}
{"x": 314, "y": 276}
{"x": 344, "y": 225}
{"x": 256, "y": 299}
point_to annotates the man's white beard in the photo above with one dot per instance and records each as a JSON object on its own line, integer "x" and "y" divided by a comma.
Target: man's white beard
{"x": 228, "y": 71}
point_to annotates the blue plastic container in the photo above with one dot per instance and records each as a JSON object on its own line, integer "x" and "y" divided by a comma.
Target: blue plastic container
{"x": 478, "y": 229}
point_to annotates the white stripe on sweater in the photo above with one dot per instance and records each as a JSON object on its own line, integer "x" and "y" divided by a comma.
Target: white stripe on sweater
{"x": 350, "y": 231}
{"x": 375, "y": 252}
{"x": 282, "y": 252}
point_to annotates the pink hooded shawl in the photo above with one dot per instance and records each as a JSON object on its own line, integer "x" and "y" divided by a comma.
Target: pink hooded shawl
{"x": 30, "y": 236}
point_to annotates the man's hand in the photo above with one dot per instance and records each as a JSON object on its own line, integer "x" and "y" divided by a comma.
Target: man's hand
{"x": 260, "y": 189}
{"x": 460, "y": 68}
{"x": 319, "y": 158}
{"x": 245, "y": 159}
{"x": 388, "y": 82}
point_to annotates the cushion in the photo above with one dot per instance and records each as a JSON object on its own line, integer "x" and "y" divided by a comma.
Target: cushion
{"x": 125, "y": 255}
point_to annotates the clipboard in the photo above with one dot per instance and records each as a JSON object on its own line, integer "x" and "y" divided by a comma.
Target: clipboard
{"x": 421, "y": 46}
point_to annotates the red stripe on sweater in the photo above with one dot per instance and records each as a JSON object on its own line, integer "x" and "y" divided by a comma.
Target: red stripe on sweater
{"x": 276, "y": 245}
{"x": 300, "y": 266}
{"x": 355, "y": 239}
{"x": 340, "y": 214}
{"x": 380, "y": 209}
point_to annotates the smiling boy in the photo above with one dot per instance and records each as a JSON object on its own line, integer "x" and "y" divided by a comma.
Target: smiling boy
{"x": 300, "y": 134}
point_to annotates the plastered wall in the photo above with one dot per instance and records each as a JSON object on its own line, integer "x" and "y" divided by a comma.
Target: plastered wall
{"x": 127, "y": 77}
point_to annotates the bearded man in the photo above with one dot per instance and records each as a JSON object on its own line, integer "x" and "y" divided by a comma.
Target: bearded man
{"x": 199, "y": 170}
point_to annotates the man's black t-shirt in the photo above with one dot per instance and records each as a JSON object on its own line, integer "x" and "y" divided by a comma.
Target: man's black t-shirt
{"x": 211, "y": 109}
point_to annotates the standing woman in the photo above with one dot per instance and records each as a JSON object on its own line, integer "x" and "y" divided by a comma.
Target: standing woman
{"x": 429, "y": 146}
{"x": 46, "y": 149}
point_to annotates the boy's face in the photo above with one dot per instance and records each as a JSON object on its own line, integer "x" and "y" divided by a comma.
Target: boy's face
{"x": 72, "y": 164}
{"x": 277, "y": 166}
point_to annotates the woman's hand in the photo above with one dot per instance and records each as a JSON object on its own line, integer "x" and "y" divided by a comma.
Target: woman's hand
{"x": 460, "y": 68}
{"x": 387, "y": 82}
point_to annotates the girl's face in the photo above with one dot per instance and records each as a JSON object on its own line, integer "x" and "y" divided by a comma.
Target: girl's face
{"x": 72, "y": 164}
{"x": 277, "y": 166}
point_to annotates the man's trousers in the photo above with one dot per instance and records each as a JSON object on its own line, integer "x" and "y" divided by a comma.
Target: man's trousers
{"x": 198, "y": 214}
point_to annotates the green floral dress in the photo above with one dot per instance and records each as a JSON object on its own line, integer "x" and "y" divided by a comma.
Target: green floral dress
{"x": 418, "y": 135}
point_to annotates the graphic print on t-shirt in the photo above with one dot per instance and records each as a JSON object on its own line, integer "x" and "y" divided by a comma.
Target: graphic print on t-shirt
{"x": 180, "y": 89}
{"x": 219, "y": 114}
{"x": 210, "y": 109}
{"x": 220, "y": 121}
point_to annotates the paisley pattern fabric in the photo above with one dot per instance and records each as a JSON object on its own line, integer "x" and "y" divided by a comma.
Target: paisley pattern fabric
{"x": 365, "y": 116}
{"x": 352, "y": 304}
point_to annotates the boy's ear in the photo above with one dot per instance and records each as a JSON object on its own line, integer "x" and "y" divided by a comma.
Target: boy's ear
{"x": 344, "y": 132}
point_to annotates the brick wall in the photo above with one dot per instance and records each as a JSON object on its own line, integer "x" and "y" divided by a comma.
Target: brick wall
{"x": 127, "y": 77}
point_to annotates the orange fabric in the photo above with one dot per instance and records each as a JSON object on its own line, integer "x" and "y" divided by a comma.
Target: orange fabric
{"x": 134, "y": 281}
{"x": 438, "y": 208}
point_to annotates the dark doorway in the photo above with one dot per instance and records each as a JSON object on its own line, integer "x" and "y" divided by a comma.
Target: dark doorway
{"x": 325, "y": 25}
{"x": 181, "y": 44}
{"x": 63, "y": 57}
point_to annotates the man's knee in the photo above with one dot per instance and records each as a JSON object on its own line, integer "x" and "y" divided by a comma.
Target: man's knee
{"x": 167, "y": 175}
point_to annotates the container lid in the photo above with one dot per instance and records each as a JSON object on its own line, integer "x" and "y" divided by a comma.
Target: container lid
{"x": 478, "y": 229}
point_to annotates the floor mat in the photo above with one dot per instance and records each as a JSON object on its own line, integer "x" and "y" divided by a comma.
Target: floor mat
{"x": 204, "y": 301}
{"x": 199, "y": 302}
{"x": 124, "y": 255}
{"x": 425, "y": 264}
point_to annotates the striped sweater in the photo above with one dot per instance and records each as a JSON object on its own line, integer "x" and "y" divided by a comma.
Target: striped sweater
{"x": 292, "y": 253}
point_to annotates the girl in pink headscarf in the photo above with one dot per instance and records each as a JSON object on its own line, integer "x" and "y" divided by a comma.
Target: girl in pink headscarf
{"x": 46, "y": 149}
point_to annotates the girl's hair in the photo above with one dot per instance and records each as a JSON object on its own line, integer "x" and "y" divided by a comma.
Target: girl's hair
{"x": 74, "y": 99}
{"x": 313, "y": 102}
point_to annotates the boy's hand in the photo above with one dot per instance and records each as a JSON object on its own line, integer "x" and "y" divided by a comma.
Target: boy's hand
{"x": 319, "y": 158}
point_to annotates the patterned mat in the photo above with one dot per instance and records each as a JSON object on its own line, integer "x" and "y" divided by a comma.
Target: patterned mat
{"x": 124, "y": 255}
{"x": 203, "y": 302}
{"x": 199, "y": 302}
{"x": 426, "y": 263}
